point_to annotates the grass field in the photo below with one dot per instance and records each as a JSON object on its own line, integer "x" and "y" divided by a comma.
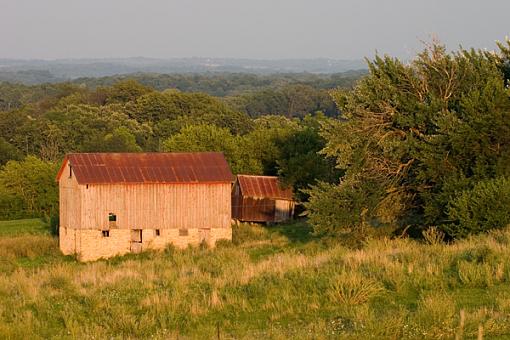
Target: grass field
{"x": 23, "y": 227}
{"x": 268, "y": 283}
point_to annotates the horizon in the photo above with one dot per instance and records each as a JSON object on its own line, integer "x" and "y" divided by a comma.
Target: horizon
{"x": 176, "y": 58}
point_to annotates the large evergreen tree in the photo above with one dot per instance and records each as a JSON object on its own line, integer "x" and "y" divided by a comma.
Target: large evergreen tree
{"x": 414, "y": 136}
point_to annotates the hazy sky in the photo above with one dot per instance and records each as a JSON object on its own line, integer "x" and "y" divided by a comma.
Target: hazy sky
{"x": 344, "y": 29}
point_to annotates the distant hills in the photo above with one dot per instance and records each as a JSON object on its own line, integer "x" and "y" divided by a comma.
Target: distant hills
{"x": 51, "y": 71}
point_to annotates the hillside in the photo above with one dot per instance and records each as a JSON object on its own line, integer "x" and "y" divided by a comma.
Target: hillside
{"x": 276, "y": 282}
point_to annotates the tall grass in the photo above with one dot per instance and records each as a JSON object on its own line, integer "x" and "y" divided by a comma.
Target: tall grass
{"x": 263, "y": 285}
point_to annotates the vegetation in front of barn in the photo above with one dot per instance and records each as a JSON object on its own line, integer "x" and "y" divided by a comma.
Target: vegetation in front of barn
{"x": 268, "y": 282}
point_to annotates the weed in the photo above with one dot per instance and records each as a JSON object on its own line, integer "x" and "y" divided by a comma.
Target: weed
{"x": 353, "y": 289}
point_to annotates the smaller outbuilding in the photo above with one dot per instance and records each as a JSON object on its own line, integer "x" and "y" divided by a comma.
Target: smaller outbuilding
{"x": 261, "y": 199}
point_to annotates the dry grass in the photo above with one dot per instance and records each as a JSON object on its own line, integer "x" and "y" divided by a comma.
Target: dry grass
{"x": 266, "y": 286}
{"x": 30, "y": 246}
{"x": 351, "y": 288}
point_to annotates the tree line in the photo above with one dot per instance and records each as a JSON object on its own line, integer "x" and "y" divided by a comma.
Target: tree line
{"x": 130, "y": 117}
{"x": 413, "y": 146}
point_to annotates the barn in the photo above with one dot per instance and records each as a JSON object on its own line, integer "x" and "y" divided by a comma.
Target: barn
{"x": 261, "y": 199}
{"x": 116, "y": 203}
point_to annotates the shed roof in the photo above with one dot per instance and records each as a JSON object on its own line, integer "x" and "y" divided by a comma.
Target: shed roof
{"x": 263, "y": 187}
{"x": 108, "y": 168}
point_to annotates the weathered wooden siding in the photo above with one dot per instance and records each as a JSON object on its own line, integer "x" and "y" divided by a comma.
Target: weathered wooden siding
{"x": 70, "y": 200}
{"x": 284, "y": 210}
{"x": 156, "y": 206}
{"x": 237, "y": 202}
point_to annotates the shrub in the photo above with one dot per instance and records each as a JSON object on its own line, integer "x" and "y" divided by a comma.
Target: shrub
{"x": 485, "y": 207}
{"x": 54, "y": 224}
{"x": 433, "y": 235}
{"x": 475, "y": 274}
{"x": 353, "y": 289}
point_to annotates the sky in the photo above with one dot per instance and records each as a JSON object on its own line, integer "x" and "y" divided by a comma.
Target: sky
{"x": 260, "y": 29}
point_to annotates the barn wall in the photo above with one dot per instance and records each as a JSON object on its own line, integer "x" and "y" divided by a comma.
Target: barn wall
{"x": 93, "y": 245}
{"x": 157, "y": 206}
{"x": 70, "y": 200}
{"x": 203, "y": 209}
{"x": 67, "y": 240}
{"x": 69, "y": 211}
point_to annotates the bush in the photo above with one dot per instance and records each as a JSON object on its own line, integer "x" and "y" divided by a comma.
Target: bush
{"x": 483, "y": 208}
{"x": 433, "y": 235}
{"x": 54, "y": 224}
{"x": 353, "y": 289}
{"x": 11, "y": 207}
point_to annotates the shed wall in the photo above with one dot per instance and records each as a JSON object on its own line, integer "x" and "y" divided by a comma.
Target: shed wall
{"x": 284, "y": 210}
{"x": 251, "y": 209}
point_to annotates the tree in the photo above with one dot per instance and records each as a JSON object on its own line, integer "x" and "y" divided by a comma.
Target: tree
{"x": 415, "y": 136}
{"x": 155, "y": 106}
{"x": 125, "y": 91}
{"x": 120, "y": 140}
{"x": 265, "y": 141}
{"x": 200, "y": 138}
{"x": 32, "y": 182}
{"x": 8, "y": 152}
{"x": 300, "y": 164}
{"x": 482, "y": 208}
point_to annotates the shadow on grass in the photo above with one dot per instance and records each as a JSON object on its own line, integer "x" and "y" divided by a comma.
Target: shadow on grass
{"x": 298, "y": 231}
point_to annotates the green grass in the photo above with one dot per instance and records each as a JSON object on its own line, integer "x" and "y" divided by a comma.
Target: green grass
{"x": 276, "y": 282}
{"x": 33, "y": 226}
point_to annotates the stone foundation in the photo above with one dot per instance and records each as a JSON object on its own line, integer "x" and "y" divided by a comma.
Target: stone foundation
{"x": 90, "y": 245}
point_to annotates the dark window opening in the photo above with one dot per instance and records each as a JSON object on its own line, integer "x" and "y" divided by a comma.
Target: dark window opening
{"x": 158, "y": 232}
{"x": 112, "y": 217}
{"x": 106, "y": 233}
{"x": 183, "y": 232}
{"x": 87, "y": 186}
{"x": 70, "y": 171}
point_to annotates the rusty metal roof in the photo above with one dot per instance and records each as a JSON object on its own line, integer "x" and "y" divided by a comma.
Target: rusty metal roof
{"x": 105, "y": 168}
{"x": 263, "y": 187}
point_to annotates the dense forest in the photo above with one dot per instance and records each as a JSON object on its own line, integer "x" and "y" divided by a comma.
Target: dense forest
{"x": 263, "y": 124}
{"x": 410, "y": 148}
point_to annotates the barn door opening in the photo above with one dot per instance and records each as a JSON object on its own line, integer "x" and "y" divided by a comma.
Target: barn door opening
{"x": 136, "y": 240}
